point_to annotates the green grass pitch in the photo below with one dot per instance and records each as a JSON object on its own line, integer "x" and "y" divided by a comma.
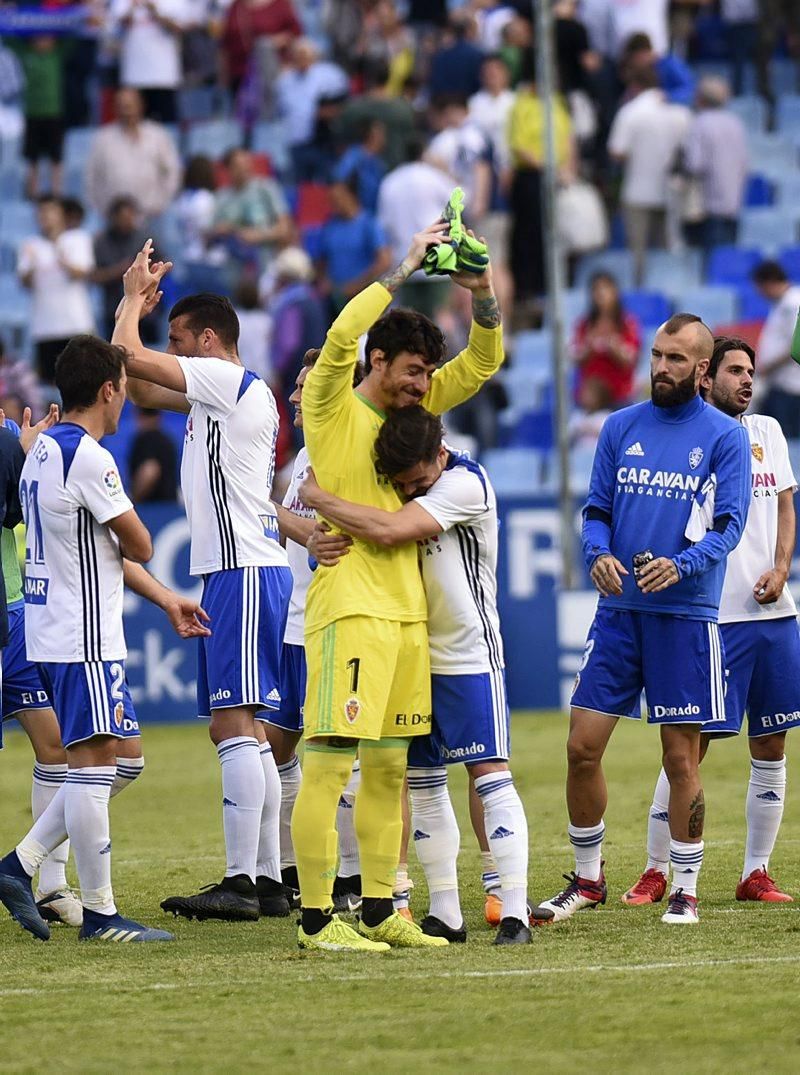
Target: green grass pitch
{"x": 613, "y": 990}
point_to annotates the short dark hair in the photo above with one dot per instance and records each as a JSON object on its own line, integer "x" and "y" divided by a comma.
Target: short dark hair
{"x": 769, "y": 272}
{"x": 409, "y": 436}
{"x": 678, "y": 321}
{"x": 405, "y": 330}
{"x": 207, "y": 310}
{"x": 313, "y": 353}
{"x": 123, "y": 201}
{"x": 84, "y": 366}
{"x": 199, "y": 173}
{"x": 724, "y": 344}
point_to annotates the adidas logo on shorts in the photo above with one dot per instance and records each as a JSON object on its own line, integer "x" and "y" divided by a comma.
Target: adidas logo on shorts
{"x": 635, "y": 449}
{"x": 274, "y": 695}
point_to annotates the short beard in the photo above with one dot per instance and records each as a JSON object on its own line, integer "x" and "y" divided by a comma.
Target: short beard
{"x": 673, "y": 395}
{"x": 728, "y": 405}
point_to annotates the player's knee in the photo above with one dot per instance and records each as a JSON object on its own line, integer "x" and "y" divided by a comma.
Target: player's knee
{"x": 680, "y": 765}
{"x": 583, "y": 752}
{"x": 768, "y": 747}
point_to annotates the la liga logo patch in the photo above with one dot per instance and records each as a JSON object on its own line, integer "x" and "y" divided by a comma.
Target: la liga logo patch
{"x": 112, "y": 481}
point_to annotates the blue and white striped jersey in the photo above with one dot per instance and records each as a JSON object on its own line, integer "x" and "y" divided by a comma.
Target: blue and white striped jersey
{"x": 459, "y": 571}
{"x": 70, "y": 488}
{"x": 228, "y": 466}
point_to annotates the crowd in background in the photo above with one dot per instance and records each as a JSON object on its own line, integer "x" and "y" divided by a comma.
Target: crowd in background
{"x": 381, "y": 107}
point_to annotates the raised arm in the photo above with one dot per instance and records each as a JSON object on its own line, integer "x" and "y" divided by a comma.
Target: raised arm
{"x": 386, "y": 528}
{"x": 155, "y": 379}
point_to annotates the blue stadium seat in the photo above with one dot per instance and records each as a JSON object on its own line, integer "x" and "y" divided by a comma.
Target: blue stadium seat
{"x": 18, "y": 220}
{"x": 794, "y": 454}
{"x": 580, "y": 468}
{"x": 77, "y": 143}
{"x": 575, "y": 303}
{"x": 196, "y": 103}
{"x": 789, "y": 257}
{"x": 534, "y": 429}
{"x": 775, "y": 153}
{"x": 533, "y": 351}
{"x": 12, "y": 180}
{"x": 618, "y": 263}
{"x": 649, "y": 307}
{"x": 716, "y": 305}
{"x": 214, "y": 137}
{"x": 751, "y": 110}
{"x": 514, "y": 471}
{"x": 783, "y": 75}
{"x": 759, "y": 191}
{"x": 767, "y": 228}
{"x": 787, "y": 113}
{"x": 270, "y": 138}
{"x": 672, "y": 271}
{"x": 731, "y": 264}
{"x": 525, "y": 388}
{"x": 752, "y": 305}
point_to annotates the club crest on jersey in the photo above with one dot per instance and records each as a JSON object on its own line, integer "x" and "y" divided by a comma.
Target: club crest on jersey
{"x": 112, "y": 482}
{"x": 758, "y": 452}
{"x": 695, "y": 458}
{"x": 119, "y": 711}
{"x": 352, "y": 707}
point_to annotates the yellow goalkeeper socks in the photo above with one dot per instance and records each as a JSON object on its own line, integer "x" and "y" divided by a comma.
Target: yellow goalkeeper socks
{"x": 379, "y": 821}
{"x": 326, "y": 771}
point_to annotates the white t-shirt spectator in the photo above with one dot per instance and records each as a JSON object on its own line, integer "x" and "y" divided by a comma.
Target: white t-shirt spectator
{"x": 640, "y": 17}
{"x": 490, "y": 113}
{"x": 143, "y": 164}
{"x": 648, "y": 132}
{"x": 194, "y": 214}
{"x": 299, "y": 94}
{"x": 150, "y": 55}
{"x": 62, "y": 306}
{"x": 410, "y": 197}
{"x": 459, "y": 150}
{"x": 776, "y": 340}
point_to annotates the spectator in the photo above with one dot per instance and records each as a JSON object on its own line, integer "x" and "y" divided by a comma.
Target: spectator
{"x": 649, "y": 17}
{"x": 387, "y": 36}
{"x": 526, "y": 141}
{"x": 574, "y": 54}
{"x": 74, "y": 214}
{"x": 675, "y": 77}
{"x": 492, "y": 19}
{"x": 364, "y": 163}
{"x": 195, "y": 206}
{"x": 395, "y": 113}
{"x": 607, "y": 342}
{"x": 19, "y": 386}
{"x": 55, "y": 266}
{"x": 456, "y": 68}
{"x": 410, "y": 197}
{"x": 594, "y": 406}
{"x": 774, "y": 15}
{"x": 299, "y": 321}
{"x": 645, "y": 138}
{"x": 490, "y": 107}
{"x": 741, "y": 33}
{"x": 354, "y": 249}
{"x": 716, "y": 154}
{"x": 255, "y": 22}
{"x": 251, "y": 217}
{"x": 255, "y": 327}
{"x": 777, "y": 372}
{"x": 153, "y": 461}
{"x": 42, "y": 59}
{"x": 463, "y": 150}
{"x": 132, "y": 156}
{"x": 115, "y": 247}
{"x": 301, "y": 88}
{"x": 150, "y": 51}
{"x": 12, "y": 85}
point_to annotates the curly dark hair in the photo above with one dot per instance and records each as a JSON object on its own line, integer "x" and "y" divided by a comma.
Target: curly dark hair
{"x": 409, "y": 436}
{"x": 405, "y": 330}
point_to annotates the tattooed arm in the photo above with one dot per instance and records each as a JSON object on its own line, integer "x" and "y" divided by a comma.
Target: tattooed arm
{"x": 420, "y": 244}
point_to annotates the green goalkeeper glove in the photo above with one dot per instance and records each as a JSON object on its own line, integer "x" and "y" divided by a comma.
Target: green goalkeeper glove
{"x": 461, "y": 252}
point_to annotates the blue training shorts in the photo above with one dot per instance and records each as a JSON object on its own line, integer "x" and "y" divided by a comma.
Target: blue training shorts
{"x": 763, "y": 660}
{"x": 678, "y": 663}
{"x": 293, "y": 690}
{"x": 90, "y": 698}
{"x": 240, "y": 663}
{"x": 470, "y": 722}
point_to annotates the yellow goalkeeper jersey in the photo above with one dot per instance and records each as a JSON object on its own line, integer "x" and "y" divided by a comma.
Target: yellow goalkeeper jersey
{"x": 340, "y": 428}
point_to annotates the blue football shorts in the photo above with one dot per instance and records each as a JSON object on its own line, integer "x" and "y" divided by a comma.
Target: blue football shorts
{"x": 678, "y": 663}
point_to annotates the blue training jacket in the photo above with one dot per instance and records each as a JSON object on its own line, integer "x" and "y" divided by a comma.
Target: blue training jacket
{"x": 650, "y": 466}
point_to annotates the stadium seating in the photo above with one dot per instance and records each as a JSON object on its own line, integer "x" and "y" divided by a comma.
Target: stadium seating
{"x": 731, "y": 265}
{"x": 533, "y": 351}
{"x": 759, "y": 191}
{"x": 270, "y": 139}
{"x": 751, "y": 110}
{"x": 776, "y": 154}
{"x": 619, "y": 263}
{"x": 673, "y": 272}
{"x": 514, "y": 471}
{"x": 214, "y": 137}
{"x": 716, "y": 305}
{"x": 17, "y": 220}
{"x": 752, "y": 305}
{"x": 648, "y": 307}
{"x": 768, "y": 227}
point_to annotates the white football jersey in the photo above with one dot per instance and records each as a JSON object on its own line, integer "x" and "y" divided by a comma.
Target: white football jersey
{"x": 458, "y": 569}
{"x": 69, "y": 489}
{"x": 298, "y": 556}
{"x": 755, "y": 553}
{"x": 227, "y": 467}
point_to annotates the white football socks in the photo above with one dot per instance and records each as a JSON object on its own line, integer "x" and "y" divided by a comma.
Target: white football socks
{"x": 766, "y": 792}
{"x": 588, "y": 846}
{"x": 47, "y": 832}
{"x": 87, "y": 792}
{"x": 268, "y": 860}
{"x": 686, "y": 860}
{"x": 128, "y": 770}
{"x": 47, "y": 779}
{"x": 243, "y": 789}
{"x": 507, "y": 832}
{"x": 658, "y": 835}
{"x": 291, "y": 777}
{"x": 349, "y": 859}
{"x": 490, "y": 878}
{"x": 437, "y": 841}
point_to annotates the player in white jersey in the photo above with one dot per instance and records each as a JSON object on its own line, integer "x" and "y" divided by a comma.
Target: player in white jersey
{"x": 226, "y": 477}
{"x": 83, "y": 542}
{"x": 452, "y": 514}
{"x": 758, "y": 624}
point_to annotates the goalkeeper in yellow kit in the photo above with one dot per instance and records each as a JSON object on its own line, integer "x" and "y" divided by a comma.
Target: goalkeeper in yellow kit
{"x": 366, "y": 639}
